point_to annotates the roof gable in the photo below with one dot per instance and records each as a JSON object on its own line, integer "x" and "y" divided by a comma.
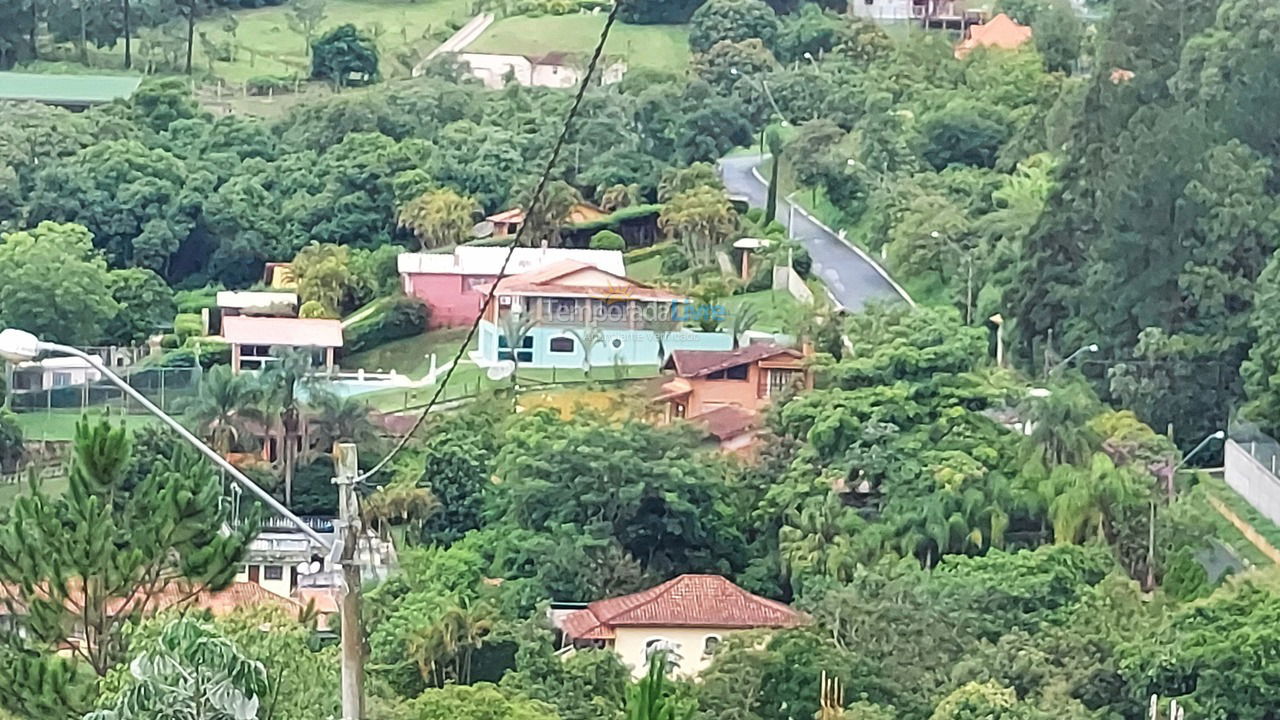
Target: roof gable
{"x": 697, "y": 363}
{"x": 685, "y": 601}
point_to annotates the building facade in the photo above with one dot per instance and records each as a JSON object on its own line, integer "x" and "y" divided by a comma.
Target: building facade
{"x": 571, "y": 315}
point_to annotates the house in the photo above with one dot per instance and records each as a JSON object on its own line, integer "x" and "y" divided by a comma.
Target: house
{"x": 1001, "y": 32}
{"x": 52, "y": 373}
{"x": 573, "y": 315}
{"x": 552, "y": 70}
{"x": 507, "y": 222}
{"x": 252, "y": 338}
{"x": 231, "y": 303}
{"x": 725, "y": 391}
{"x": 73, "y": 92}
{"x": 936, "y": 14}
{"x": 449, "y": 282}
{"x": 286, "y": 563}
{"x": 279, "y": 276}
{"x": 687, "y": 617}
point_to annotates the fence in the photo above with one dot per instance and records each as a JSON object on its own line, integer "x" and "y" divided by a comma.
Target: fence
{"x": 169, "y": 388}
{"x": 1252, "y": 463}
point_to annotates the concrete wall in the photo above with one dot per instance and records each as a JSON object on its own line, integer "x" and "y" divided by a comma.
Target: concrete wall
{"x": 1249, "y": 472}
{"x": 620, "y": 346}
{"x": 630, "y": 642}
{"x": 785, "y": 278}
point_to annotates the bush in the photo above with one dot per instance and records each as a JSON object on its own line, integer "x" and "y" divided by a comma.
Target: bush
{"x": 754, "y": 215}
{"x": 313, "y": 490}
{"x": 607, "y": 240}
{"x": 394, "y": 319}
{"x": 274, "y": 84}
{"x": 193, "y": 301}
{"x": 645, "y": 253}
{"x": 674, "y": 262}
{"x": 187, "y": 325}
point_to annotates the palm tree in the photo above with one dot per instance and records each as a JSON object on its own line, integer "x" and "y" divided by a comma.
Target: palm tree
{"x": 439, "y": 217}
{"x": 701, "y": 219}
{"x": 1059, "y": 426}
{"x": 444, "y": 649}
{"x": 743, "y": 320}
{"x": 1086, "y": 499}
{"x": 515, "y": 328}
{"x": 226, "y": 404}
{"x": 281, "y": 382}
{"x": 336, "y": 419}
{"x": 588, "y": 338}
{"x": 821, "y": 537}
{"x": 400, "y": 501}
{"x": 619, "y": 196}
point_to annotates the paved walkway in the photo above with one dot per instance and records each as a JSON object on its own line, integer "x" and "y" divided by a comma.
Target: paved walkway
{"x": 853, "y": 278}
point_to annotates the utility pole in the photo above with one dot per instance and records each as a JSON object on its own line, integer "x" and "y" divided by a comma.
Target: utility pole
{"x": 352, "y": 628}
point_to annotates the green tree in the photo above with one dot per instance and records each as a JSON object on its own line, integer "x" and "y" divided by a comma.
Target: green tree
{"x": 345, "y": 55}
{"x": 281, "y": 383}
{"x": 731, "y": 20}
{"x": 482, "y": 701}
{"x": 987, "y": 701}
{"x": 440, "y": 217}
{"x": 57, "y": 285}
{"x": 226, "y": 409}
{"x": 305, "y": 17}
{"x": 1058, "y": 32}
{"x": 457, "y": 469}
{"x": 963, "y": 132}
{"x": 701, "y": 220}
{"x": 188, "y": 669}
{"x": 144, "y": 305}
{"x": 650, "y": 699}
{"x": 607, "y": 240}
{"x": 97, "y": 555}
{"x": 322, "y": 272}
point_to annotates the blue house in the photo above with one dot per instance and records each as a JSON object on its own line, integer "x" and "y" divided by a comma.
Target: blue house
{"x": 574, "y": 315}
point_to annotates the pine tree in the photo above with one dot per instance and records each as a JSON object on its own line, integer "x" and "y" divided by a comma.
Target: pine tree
{"x": 87, "y": 562}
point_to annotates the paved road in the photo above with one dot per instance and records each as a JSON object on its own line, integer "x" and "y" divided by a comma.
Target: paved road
{"x": 851, "y": 277}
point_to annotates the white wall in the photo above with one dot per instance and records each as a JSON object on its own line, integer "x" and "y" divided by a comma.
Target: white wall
{"x": 630, "y": 642}
{"x": 1251, "y": 476}
{"x": 281, "y": 586}
{"x": 881, "y": 9}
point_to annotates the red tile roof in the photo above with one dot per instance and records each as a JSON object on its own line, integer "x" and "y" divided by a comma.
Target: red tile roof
{"x": 686, "y": 601}
{"x": 728, "y": 421}
{"x": 236, "y": 595}
{"x": 549, "y": 281}
{"x": 1000, "y": 31}
{"x": 696, "y": 363}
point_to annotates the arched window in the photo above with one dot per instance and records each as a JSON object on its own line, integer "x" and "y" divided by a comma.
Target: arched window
{"x": 710, "y": 645}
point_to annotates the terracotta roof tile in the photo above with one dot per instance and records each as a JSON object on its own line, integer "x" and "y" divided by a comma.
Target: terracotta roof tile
{"x": 1000, "y": 31}
{"x": 686, "y": 601}
{"x": 696, "y": 363}
{"x": 728, "y": 421}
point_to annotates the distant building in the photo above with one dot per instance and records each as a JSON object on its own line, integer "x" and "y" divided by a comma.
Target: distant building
{"x": 252, "y": 339}
{"x": 52, "y": 373}
{"x": 725, "y": 391}
{"x": 936, "y": 14}
{"x": 553, "y": 70}
{"x": 686, "y": 617}
{"x": 577, "y": 315}
{"x": 74, "y": 92}
{"x": 449, "y": 282}
{"x": 1001, "y": 32}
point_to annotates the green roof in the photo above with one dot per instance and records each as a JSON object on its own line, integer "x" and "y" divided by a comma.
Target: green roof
{"x": 67, "y": 89}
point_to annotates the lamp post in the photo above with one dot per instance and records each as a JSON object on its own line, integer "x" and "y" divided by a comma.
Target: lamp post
{"x": 20, "y": 346}
{"x": 1151, "y": 528}
{"x": 1091, "y": 348}
{"x": 765, "y": 86}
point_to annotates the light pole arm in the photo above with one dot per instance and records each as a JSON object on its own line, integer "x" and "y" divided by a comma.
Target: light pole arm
{"x": 240, "y": 478}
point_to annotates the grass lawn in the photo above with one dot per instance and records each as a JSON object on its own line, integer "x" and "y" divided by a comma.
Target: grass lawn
{"x": 469, "y": 380}
{"x": 268, "y": 46}
{"x": 408, "y": 356}
{"x": 1215, "y": 485}
{"x": 774, "y": 309}
{"x": 61, "y": 424}
{"x": 664, "y": 47}
{"x": 53, "y": 486}
{"x": 648, "y": 270}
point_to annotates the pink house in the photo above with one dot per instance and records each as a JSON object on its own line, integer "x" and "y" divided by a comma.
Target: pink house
{"x": 452, "y": 284}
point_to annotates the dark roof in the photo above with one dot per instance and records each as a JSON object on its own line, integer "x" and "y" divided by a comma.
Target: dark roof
{"x": 686, "y": 601}
{"x": 67, "y": 89}
{"x": 728, "y": 421}
{"x": 696, "y": 363}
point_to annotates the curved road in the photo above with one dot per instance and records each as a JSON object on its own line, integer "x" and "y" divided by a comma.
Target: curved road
{"x": 853, "y": 278}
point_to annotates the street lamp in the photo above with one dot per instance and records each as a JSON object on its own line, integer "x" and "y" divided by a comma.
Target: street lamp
{"x": 1151, "y": 528}
{"x": 1091, "y": 348}
{"x": 734, "y": 71}
{"x": 20, "y": 346}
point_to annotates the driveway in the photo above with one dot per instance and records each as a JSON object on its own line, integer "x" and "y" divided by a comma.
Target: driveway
{"x": 853, "y": 278}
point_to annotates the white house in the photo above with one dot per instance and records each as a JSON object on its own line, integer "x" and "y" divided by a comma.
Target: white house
{"x": 553, "y": 70}
{"x": 52, "y": 373}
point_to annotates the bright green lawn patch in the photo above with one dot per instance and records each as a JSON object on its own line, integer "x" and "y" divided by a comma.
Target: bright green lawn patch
{"x": 408, "y": 356}
{"x": 648, "y": 270}
{"x": 52, "y": 486}
{"x": 60, "y": 425}
{"x": 268, "y": 46}
{"x": 664, "y": 47}
{"x": 774, "y": 309}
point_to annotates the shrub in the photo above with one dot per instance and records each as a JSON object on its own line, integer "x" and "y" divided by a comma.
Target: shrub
{"x": 674, "y": 262}
{"x": 274, "y": 84}
{"x": 607, "y": 240}
{"x": 313, "y": 309}
{"x": 187, "y": 325}
{"x": 754, "y": 215}
{"x": 394, "y": 319}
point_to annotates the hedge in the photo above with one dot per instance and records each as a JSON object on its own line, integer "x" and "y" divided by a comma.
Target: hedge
{"x": 392, "y": 319}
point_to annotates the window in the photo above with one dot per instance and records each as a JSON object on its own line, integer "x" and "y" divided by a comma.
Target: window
{"x": 680, "y": 410}
{"x": 710, "y": 644}
{"x": 61, "y": 379}
{"x": 737, "y": 372}
{"x": 272, "y": 572}
{"x": 561, "y": 345}
{"x": 617, "y": 343}
{"x": 656, "y": 645}
{"x": 523, "y": 354}
{"x": 780, "y": 380}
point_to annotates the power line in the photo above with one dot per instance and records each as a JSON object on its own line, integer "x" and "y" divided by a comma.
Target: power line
{"x": 538, "y": 192}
